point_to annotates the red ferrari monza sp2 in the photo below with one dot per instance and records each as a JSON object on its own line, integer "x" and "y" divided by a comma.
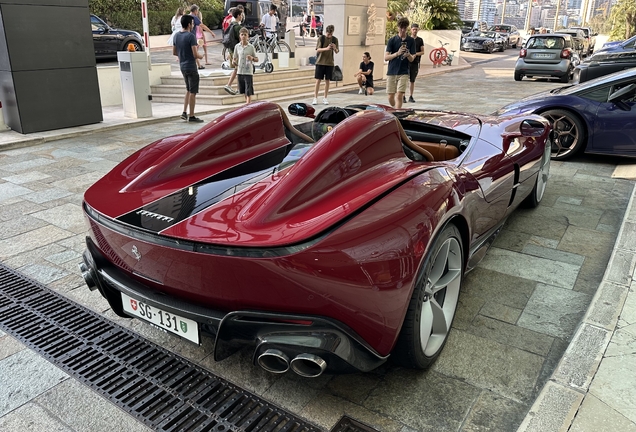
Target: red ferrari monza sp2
{"x": 326, "y": 256}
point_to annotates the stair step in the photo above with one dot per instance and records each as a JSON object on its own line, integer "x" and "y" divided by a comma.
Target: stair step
{"x": 206, "y": 89}
{"x": 276, "y": 85}
{"x": 220, "y": 78}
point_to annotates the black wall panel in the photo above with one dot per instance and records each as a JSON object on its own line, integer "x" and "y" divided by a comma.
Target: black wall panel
{"x": 48, "y": 78}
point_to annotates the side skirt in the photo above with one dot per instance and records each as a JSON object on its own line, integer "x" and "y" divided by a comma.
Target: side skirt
{"x": 479, "y": 249}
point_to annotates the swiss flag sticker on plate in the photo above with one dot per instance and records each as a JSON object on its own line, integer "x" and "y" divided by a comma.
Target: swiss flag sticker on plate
{"x": 133, "y": 304}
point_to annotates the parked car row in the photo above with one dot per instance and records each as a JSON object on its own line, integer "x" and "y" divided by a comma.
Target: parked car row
{"x": 108, "y": 40}
{"x": 549, "y": 55}
{"x": 487, "y": 41}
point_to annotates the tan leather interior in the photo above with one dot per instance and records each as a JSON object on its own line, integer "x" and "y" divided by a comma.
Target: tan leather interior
{"x": 291, "y": 127}
{"x": 440, "y": 151}
{"x": 407, "y": 142}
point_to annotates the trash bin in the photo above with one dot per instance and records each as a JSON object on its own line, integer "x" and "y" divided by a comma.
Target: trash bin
{"x": 135, "y": 84}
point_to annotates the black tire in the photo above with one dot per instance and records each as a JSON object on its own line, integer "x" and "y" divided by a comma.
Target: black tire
{"x": 568, "y": 133}
{"x": 565, "y": 78}
{"x": 534, "y": 199}
{"x": 269, "y": 67}
{"x": 281, "y": 46}
{"x": 444, "y": 263}
{"x": 135, "y": 43}
{"x": 518, "y": 76}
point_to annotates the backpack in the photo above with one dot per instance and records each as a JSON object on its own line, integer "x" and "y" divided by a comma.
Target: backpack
{"x": 229, "y": 37}
{"x": 336, "y": 75}
{"x": 226, "y": 22}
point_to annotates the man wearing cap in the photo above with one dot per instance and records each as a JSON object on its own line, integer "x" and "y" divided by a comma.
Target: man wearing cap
{"x": 414, "y": 66}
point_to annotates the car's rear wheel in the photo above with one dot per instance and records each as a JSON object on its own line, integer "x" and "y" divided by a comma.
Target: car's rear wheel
{"x": 565, "y": 78}
{"x": 433, "y": 302}
{"x": 536, "y": 196}
{"x": 518, "y": 76}
{"x": 568, "y": 133}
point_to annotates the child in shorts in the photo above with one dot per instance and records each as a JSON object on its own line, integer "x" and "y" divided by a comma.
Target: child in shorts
{"x": 244, "y": 58}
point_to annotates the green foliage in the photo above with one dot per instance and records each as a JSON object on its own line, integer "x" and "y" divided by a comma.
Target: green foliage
{"x": 391, "y": 30}
{"x": 421, "y": 14}
{"x": 397, "y": 8}
{"x": 429, "y": 14}
{"x": 601, "y": 24}
{"x": 126, "y": 14}
{"x": 444, "y": 14}
{"x": 623, "y": 19}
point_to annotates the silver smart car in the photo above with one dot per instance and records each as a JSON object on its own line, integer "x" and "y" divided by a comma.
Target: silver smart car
{"x": 547, "y": 55}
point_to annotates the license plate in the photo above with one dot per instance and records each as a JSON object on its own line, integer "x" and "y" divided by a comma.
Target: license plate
{"x": 543, "y": 56}
{"x": 184, "y": 327}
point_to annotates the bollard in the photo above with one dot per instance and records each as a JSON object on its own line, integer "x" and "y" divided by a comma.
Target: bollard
{"x": 3, "y": 126}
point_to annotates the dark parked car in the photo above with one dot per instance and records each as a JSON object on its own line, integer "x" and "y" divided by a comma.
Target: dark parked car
{"x": 604, "y": 63}
{"x": 547, "y": 55}
{"x": 470, "y": 26}
{"x": 483, "y": 41}
{"x": 108, "y": 40}
{"x": 510, "y": 33}
{"x": 580, "y": 43}
{"x": 615, "y": 46}
{"x": 590, "y": 36}
{"x": 326, "y": 256}
{"x": 598, "y": 116}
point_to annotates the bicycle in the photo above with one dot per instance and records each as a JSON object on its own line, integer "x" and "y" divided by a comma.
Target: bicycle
{"x": 438, "y": 55}
{"x": 261, "y": 49}
{"x": 449, "y": 58}
{"x": 255, "y": 39}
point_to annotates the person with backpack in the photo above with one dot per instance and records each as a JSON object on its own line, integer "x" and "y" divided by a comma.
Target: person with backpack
{"x": 326, "y": 47}
{"x": 230, "y": 39}
{"x": 228, "y": 19}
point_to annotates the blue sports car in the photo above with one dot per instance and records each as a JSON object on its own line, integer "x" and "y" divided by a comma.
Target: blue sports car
{"x": 597, "y": 116}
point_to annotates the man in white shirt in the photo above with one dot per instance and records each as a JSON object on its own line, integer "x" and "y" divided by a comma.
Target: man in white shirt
{"x": 270, "y": 22}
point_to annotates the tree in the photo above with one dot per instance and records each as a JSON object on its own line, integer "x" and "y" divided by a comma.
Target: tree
{"x": 623, "y": 19}
{"x": 444, "y": 14}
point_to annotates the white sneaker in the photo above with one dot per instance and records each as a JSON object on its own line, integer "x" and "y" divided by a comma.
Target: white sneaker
{"x": 361, "y": 91}
{"x": 325, "y": 101}
{"x": 315, "y": 101}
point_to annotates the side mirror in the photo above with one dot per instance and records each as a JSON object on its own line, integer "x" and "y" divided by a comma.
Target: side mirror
{"x": 301, "y": 110}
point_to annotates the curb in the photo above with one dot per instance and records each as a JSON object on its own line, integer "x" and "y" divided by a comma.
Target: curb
{"x": 560, "y": 399}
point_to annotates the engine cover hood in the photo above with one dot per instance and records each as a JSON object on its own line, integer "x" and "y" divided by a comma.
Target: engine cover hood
{"x": 238, "y": 182}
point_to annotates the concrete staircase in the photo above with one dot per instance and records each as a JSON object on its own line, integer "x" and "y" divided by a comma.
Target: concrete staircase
{"x": 272, "y": 86}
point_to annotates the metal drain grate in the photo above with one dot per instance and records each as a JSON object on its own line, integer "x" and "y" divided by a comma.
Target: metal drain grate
{"x": 348, "y": 424}
{"x": 160, "y": 389}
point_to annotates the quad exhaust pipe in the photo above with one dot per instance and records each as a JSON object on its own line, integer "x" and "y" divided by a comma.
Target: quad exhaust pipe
{"x": 306, "y": 365}
{"x": 274, "y": 361}
{"x": 88, "y": 276}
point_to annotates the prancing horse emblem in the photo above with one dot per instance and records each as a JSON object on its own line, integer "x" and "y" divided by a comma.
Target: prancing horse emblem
{"x": 136, "y": 252}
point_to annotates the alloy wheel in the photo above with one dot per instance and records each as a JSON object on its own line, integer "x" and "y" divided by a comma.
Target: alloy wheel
{"x": 441, "y": 294}
{"x": 567, "y": 133}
